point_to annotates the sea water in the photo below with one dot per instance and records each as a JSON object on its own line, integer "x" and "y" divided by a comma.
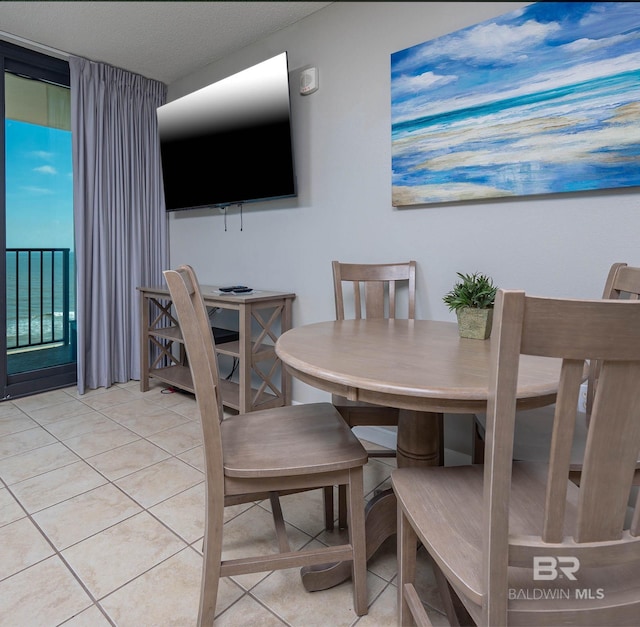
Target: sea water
{"x": 35, "y": 307}
{"x": 577, "y": 137}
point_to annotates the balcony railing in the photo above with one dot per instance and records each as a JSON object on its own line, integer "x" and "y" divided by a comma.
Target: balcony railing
{"x": 38, "y": 297}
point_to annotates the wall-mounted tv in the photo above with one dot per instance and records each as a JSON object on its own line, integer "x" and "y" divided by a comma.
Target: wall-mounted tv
{"x": 230, "y": 142}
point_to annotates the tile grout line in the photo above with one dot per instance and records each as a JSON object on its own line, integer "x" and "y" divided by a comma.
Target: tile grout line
{"x": 58, "y": 553}
{"x": 245, "y": 592}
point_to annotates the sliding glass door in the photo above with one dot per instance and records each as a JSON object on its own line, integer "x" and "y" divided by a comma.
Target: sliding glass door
{"x": 38, "y": 350}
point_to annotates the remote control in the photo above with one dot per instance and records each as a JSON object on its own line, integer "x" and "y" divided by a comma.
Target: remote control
{"x": 233, "y": 288}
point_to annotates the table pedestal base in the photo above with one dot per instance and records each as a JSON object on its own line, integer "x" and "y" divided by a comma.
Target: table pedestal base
{"x": 420, "y": 443}
{"x": 420, "y": 439}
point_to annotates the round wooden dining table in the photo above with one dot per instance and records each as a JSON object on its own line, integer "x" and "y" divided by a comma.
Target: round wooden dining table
{"x": 420, "y": 366}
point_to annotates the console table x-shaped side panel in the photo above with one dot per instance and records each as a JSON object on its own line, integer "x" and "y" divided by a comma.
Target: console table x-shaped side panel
{"x": 262, "y": 381}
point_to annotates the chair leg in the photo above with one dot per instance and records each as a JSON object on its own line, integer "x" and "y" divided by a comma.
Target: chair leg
{"x": 415, "y": 604}
{"x": 342, "y": 507}
{"x": 355, "y": 510}
{"x": 328, "y": 508}
{"x": 212, "y": 557}
{"x": 457, "y": 613}
{"x": 477, "y": 444}
{"x": 407, "y": 549}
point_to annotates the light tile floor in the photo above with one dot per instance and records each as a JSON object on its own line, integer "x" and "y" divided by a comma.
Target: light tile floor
{"x": 102, "y": 516}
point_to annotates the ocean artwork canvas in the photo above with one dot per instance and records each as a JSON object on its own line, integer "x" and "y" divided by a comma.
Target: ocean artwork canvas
{"x": 541, "y": 100}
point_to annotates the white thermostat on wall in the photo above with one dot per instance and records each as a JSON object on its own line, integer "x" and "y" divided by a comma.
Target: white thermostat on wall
{"x": 308, "y": 81}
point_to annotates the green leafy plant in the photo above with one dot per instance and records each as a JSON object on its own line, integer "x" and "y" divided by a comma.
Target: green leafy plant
{"x": 473, "y": 290}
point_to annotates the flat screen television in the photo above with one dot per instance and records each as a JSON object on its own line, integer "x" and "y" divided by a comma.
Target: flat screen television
{"x": 230, "y": 142}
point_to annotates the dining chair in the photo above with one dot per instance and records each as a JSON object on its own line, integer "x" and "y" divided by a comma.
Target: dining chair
{"x": 264, "y": 454}
{"x": 534, "y": 427}
{"x": 375, "y": 290}
{"x": 518, "y": 542}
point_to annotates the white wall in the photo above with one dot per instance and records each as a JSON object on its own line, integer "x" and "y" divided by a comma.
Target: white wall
{"x": 559, "y": 245}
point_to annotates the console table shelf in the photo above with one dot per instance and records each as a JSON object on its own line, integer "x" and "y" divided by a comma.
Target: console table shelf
{"x": 262, "y": 316}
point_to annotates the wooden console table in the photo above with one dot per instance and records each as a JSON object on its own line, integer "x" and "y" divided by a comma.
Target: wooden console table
{"x": 262, "y": 381}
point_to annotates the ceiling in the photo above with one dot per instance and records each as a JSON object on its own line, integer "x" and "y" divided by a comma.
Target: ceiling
{"x": 160, "y": 40}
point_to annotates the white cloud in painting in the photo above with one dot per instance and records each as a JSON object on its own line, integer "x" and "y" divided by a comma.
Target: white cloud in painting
{"x": 486, "y": 43}
{"x": 586, "y": 44}
{"x": 495, "y": 42}
{"x": 416, "y": 84}
{"x": 598, "y": 12}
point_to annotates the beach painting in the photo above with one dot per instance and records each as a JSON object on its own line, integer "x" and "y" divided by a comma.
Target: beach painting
{"x": 541, "y": 100}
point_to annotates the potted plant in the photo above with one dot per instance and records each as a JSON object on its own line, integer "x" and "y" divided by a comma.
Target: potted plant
{"x": 472, "y": 298}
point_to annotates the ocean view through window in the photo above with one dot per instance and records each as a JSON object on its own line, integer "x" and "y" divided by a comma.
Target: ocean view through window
{"x": 39, "y": 236}
{"x": 39, "y": 296}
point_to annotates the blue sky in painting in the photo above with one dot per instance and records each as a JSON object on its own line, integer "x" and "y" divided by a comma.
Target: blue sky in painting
{"x": 564, "y": 38}
{"x": 39, "y": 184}
{"x": 574, "y": 63}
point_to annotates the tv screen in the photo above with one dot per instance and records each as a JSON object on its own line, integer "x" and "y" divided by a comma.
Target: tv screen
{"x": 230, "y": 142}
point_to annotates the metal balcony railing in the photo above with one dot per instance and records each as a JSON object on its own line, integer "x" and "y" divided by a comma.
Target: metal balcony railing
{"x": 38, "y": 297}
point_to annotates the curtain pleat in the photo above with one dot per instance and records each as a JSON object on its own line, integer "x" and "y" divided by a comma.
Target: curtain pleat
{"x": 120, "y": 217}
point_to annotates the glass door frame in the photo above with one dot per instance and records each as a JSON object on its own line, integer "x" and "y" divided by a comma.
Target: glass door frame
{"x": 34, "y": 65}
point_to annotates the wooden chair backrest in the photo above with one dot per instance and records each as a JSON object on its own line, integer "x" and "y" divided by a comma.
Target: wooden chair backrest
{"x": 379, "y": 283}
{"x": 623, "y": 282}
{"x": 200, "y": 348}
{"x": 574, "y": 331}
